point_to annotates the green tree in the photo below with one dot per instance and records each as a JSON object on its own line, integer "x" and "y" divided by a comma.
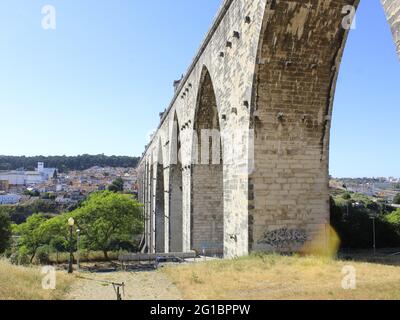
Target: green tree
{"x": 5, "y": 231}
{"x": 64, "y": 163}
{"x": 346, "y": 196}
{"x": 30, "y": 193}
{"x": 117, "y": 185}
{"x": 394, "y": 218}
{"x": 56, "y": 231}
{"x": 396, "y": 199}
{"x": 38, "y": 232}
{"x": 32, "y": 234}
{"x": 106, "y": 218}
{"x": 354, "y": 226}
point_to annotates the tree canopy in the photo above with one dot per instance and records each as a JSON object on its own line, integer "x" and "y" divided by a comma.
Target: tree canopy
{"x": 65, "y": 163}
{"x": 105, "y": 219}
{"x": 32, "y": 234}
{"x": 5, "y": 231}
{"x": 117, "y": 185}
{"x": 396, "y": 199}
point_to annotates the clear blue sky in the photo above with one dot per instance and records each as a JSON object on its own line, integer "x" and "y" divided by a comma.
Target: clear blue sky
{"x": 97, "y": 83}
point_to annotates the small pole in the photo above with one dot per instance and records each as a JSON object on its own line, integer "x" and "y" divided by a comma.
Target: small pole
{"x": 70, "y": 270}
{"x": 374, "y": 234}
{"x": 71, "y": 223}
{"x": 77, "y": 247}
{"x": 117, "y": 287}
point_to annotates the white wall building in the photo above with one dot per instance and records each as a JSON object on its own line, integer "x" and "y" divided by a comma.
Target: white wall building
{"x": 23, "y": 178}
{"x": 49, "y": 172}
{"x": 9, "y": 199}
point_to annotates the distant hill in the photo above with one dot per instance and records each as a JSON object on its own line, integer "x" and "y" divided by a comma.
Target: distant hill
{"x": 66, "y": 163}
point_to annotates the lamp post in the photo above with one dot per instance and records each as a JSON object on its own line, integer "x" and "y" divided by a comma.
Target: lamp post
{"x": 78, "y": 231}
{"x": 71, "y": 223}
{"x": 373, "y": 233}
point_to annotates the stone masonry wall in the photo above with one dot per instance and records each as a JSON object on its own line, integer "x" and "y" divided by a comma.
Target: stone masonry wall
{"x": 296, "y": 69}
{"x": 272, "y": 66}
{"x": 176, "y": 225}
{"x": 207, "y": 208}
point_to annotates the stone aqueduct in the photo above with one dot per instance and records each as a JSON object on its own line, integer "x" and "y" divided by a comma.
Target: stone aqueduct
{"x": 265, "y": 79}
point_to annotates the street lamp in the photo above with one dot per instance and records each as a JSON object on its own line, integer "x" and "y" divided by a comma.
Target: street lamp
{"x": 71, "y": 223}
{"x": 373, "y": 233}
{"x": 78, "y": 231}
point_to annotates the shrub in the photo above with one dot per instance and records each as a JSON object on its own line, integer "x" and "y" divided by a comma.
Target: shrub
{"x": 355, "y": 229}
{"x": 14, "y": 258}
{"x": 346, "y": 196}
{"x": 43, "y": 255}
{"x": 83, "y": 254}
{"x": 394, "y": 219}
{"x": 21, "y": 257}
{"x": 5, "y": 231}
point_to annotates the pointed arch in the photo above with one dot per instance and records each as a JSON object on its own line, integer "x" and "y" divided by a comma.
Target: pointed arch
{"x": 175, "y": 190}
{"x": 207, "y": 203}
{"x": 160, "y": 202}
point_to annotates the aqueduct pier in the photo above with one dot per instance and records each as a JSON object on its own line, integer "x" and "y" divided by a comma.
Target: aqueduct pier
{"x": 264, "y": 79}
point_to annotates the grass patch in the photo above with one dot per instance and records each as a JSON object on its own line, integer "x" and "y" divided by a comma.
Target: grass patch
{"x": 265, "y": 277}
{"x": 25, "y": 283}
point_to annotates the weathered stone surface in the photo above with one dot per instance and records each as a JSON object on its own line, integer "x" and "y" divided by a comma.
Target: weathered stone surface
{"x": 264, "y": 79}
{"x": 392, "y": 9}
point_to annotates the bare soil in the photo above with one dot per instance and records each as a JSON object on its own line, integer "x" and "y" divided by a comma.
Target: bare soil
{"x": 138, "y": 286}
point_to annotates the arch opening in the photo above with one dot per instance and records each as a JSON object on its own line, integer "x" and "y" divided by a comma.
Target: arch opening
{"x": 160, "y": 204}
{"x": 175, "y": 191}
{"x": 151, "y": 211}
{"x": 147, "y": 201}
{"x": 207, "y": 203}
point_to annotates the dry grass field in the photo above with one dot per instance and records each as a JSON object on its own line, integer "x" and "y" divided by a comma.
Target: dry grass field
{"x": 25, "y": 283}
{"x": 265, "y": 277}
{"x": 261, "y": 277}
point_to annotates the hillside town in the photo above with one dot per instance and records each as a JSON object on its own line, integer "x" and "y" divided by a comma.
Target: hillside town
{"x": 19, "y": 186}
{"x": 382, "y": 188}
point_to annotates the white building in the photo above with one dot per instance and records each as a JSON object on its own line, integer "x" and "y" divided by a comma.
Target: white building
{"x": 49, "y": 172}
{"x": 24, "y": 178}
{"x": 9, "y": 199}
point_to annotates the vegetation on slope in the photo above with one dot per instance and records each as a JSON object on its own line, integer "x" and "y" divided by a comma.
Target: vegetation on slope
{"x": 5, "y": 231}
{"x": 107, "y": 221}
{"x": 65, "y": 163}
{"x": 351, "y": 217}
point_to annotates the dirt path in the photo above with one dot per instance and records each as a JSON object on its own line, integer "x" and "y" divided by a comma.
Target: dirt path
{"x": 138, "y": 286}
